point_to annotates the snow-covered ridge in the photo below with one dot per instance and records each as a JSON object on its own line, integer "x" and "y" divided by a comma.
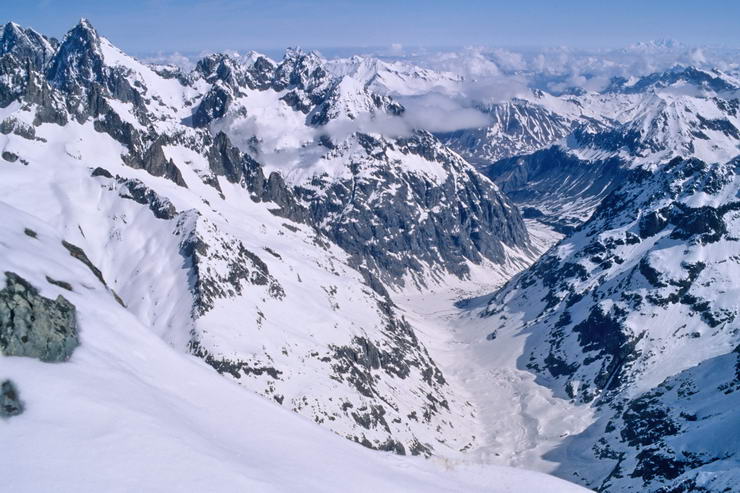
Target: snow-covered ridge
{"x": 296, "y": 119}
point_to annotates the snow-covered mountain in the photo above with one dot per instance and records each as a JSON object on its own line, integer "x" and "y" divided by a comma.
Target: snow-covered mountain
{"x": 684, "y": 112}
{"x": 267, "y": 246}
{"x": 517, "y": 127}
{"x": 127, "y": 411}
{"x": 642, "y": 178}
{"x": 230, "y": 258}
{"x": 396, "y": 199}
{"x": 635, "y": 314}
{"x": 639, "y": 121}
{"x": 248, "y": 214}
{"x": 395, "y": 78}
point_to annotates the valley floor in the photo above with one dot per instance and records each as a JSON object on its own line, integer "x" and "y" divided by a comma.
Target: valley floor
{"x": 519, "y": 421}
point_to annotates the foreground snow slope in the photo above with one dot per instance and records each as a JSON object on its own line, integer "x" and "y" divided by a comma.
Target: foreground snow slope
{"x": 130, "y": 413}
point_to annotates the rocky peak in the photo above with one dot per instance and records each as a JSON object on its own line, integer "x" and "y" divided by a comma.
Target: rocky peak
{"x": 222, "y": 67}
{"x": 261, "y": 71}
{"x": 348, "y": 98}
{"x": 78, "y": 59}
{"x": 515, "y": 127}
{"x": 300, "y": 70}
{"x": 26, "y": 44}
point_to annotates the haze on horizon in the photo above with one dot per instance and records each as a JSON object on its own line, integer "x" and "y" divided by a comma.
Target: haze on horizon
{"x": 150, "y": 26}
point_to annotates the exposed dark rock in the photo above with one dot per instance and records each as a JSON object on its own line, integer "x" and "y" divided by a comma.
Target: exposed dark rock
{"x": 160, "y": 206}
{"x": 34, "y": 326}
{"x": 243, "y": 267}
{"x": 15, "y": 126}
{"x": 101, "y": 172}
{"x": 646, "y": 422}
{"x": 225, "y": 159}
{"x": 705, "y": 221}
{"x": 156, "y": 163}
{"x": 61, "y": 284}
{"x": 535, "y": 181}
{"x": 27, "y": 44}
{"x": 214, "y": 105}
{"x": 10, "y": 403}
{"x": 80, "y": 255}
{"x": 469, "y": 220}
{"x": 652, "y": 223}
{"x": 234, "y": 367}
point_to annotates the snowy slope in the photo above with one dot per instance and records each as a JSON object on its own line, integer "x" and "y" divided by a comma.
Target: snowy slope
{"x": 395, "y": 77}
{"x": 268, "y": 274}
{"x": 211, "y": 261}
{"x": 129, "y": 412}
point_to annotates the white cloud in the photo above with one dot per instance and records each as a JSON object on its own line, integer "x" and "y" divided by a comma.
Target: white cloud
{"x": 438, "y": 113}
{"x": 176, "y": 58}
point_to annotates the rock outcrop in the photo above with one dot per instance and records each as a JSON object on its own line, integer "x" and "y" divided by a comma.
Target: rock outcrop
{"x": 10, "y": 403}
{"x": 34, "y": 326}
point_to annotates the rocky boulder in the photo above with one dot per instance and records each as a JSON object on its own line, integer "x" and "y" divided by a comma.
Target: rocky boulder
{"x": 10, "y": 404}
{"x": 34, "y": 326}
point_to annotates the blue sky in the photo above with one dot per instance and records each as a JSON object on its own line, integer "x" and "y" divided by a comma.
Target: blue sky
{"x": 148, "y": 26}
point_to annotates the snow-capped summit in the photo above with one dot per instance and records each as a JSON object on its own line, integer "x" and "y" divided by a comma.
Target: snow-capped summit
{"x": 79, "y": 59}
{"x": 301, "y": 70}
{"x": 395, "y": 78}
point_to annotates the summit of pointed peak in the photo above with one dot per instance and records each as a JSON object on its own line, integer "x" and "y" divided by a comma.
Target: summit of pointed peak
{"x": 12, "y": 26}
{"x": 85, "y": 22}
{"x": 11, "y": 30}
{"x": 293, "y": 51}
{"x": 83, "y": 29}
